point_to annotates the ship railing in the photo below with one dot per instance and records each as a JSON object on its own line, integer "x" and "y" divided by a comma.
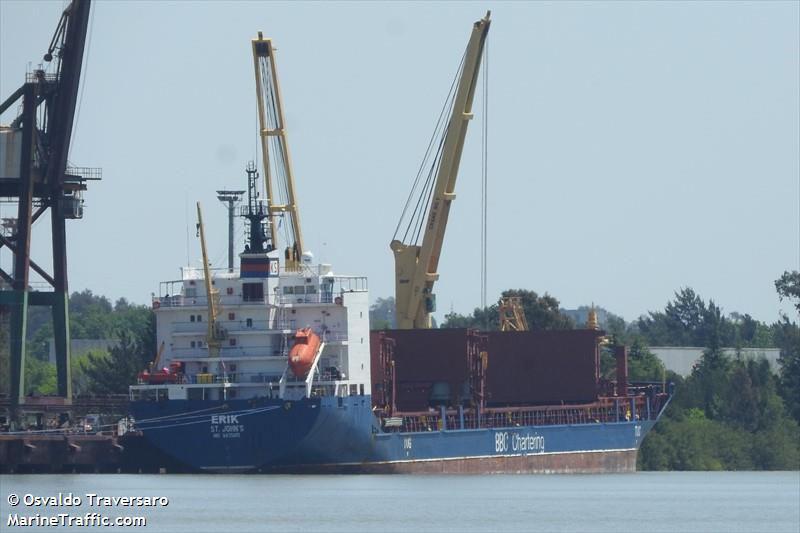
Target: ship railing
{"x": 322, "y": 390}
{"x": 273, "y": 350}
{"x": 326, "y": 293}
{"x": 233, "y": 378}
{"x": 198, "y": 274}
{"x": 350, "y": 284}
{"x": 183, "y": 300}
{"x": 232, "y": 326}
{"x": 179, "y": 300}
{"x": 306, "y": 298}
{"x": 334, "y": 336}
{"x": 258, "y": 207}
{"x": 604, "y": 411}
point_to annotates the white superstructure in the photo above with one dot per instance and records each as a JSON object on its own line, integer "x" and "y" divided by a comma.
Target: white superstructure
{"x": 260, "y": 316}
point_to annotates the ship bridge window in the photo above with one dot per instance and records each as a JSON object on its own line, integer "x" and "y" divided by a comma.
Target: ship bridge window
{"x": 311, "y": 289}
{"x": 199, "y": 318}
{"x": 299, "y": 289}
{"x": 249, "y": 322}
{"x": 253, "y": 292}
{"x": 288, "y": 290}
{"x": 191, "y": 318}
{"x": 231, "y": 316}
{"x": 191, "y": 292}
{"x": 229, "y": 290}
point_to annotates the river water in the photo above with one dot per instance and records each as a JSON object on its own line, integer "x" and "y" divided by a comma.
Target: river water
{"x": 654, "y": 502}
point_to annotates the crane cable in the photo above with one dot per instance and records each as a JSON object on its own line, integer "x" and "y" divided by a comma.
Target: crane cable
{"x": 424, "y": 192}
{"x": 485, "y": 179}
{"x": 417, "y": 219}
{"x": 278, "y": 161}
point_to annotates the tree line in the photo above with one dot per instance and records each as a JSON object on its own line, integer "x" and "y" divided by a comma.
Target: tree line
{"x": 129, "y": 328}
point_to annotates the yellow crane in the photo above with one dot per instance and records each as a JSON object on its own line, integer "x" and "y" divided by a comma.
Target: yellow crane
{"x": 216, "y": 333}
{"x": 157, "y": 361}
{"x": 416, "y": 265}
{"x": 278, "y": 166}
{"x": 512, "y": 314}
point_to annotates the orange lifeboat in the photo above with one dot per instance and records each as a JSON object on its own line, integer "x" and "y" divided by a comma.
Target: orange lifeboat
{"x": 301, "y": 356}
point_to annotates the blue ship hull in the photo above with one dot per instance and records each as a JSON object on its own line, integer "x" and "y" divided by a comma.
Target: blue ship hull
{"x": 332, "y": 434}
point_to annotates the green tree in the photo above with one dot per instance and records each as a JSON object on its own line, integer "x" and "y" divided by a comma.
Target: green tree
{"x": 80, "y": 365}
{"x": 487, "y": 319}
{"x": 40, "y": 377}
{"x": 787, "y": 338}
{"x": 644, "y": 365}
{"x": 541, "y": 312}
{"x": 679, "y": 324}
{"x": 788, "y": 287}
{"x": 688, "y": 320}
{"x": 382, "y": 314}
{"x": 750, "y": 395}
{"x": 91, "y": 317}
{"x": 708, "y": 380}
{"x": 114, "y": 372}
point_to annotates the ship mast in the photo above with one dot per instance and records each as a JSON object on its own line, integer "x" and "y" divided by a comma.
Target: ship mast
{"x": 272, "y": 131}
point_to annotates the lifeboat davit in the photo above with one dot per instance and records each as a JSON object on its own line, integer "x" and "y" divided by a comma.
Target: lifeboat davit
{"x": 301, "y": 356}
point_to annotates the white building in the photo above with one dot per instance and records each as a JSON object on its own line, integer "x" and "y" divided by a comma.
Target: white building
{"x": 681, "y": 359}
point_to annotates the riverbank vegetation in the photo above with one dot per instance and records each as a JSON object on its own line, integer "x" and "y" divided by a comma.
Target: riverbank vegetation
{"x": 127, "y": 331}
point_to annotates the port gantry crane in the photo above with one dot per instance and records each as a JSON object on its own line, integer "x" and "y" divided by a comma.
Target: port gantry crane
{"x": 35, "y": 172}
{"x": 272, "y": 131}
{"x": 416, "y": 264}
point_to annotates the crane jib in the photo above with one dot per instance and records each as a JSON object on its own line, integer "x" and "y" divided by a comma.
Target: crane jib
{"x": 416, "y": 266}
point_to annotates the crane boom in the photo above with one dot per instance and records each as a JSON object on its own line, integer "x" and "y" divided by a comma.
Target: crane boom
{"x": 272, "y": 130}
{"x": 216, "y": 334}
{"x": 416, "y": 265}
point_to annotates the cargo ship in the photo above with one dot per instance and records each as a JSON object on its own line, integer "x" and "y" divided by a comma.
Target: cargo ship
{"x": 391, "y": 401}
{"x": 272, "y": 367}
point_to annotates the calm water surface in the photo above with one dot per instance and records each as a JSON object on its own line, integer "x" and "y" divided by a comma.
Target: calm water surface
{"x": 676, "y": 501}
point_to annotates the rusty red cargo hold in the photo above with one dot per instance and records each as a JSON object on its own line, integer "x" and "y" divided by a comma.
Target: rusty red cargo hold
{"x": 422, "y": 358}
{"x": 542, "y": 367}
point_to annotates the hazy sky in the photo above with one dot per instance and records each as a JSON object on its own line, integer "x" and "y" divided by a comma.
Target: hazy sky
{"x": 634, "y": 147}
